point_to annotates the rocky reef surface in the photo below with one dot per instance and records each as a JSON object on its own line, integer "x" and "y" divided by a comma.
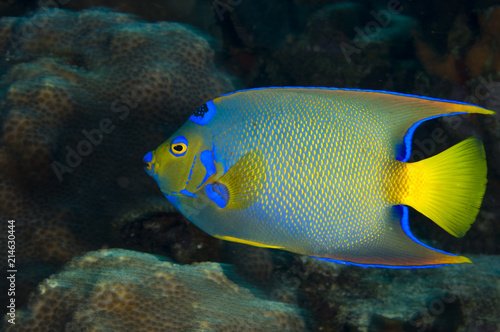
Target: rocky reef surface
{"x": 99, "y": 290}
{"x": 123, "y": 290}
{"x": 84, "y": 96}
{"x": 452, "y": 298}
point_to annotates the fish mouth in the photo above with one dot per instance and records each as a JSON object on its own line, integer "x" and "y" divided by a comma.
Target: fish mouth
{"x": 150, "y": 170}
{"x": 148, "y": 160}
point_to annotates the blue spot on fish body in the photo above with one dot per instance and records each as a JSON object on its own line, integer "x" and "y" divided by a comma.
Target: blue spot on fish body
{"x": 187, "y": 193}
{"x": 203, "y": 114}
{"x": 207, "y": 159}
{"x": 218, "y": 193}
{"x": 191, "y": 171}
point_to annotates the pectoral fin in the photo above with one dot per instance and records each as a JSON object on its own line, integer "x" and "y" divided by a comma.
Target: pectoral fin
{"x": 240, "y": 187}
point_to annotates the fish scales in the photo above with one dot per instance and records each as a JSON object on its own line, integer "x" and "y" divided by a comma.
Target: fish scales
{"x": 326, "y": 198}
{"x": 321, "y": 172}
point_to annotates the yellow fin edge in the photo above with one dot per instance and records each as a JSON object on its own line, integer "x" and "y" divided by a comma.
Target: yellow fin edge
{"x": 252, "y": 243}
{"x": 244, "y": 181}
{"x": 472, "y": 109}
{"x": 464, "y": 259}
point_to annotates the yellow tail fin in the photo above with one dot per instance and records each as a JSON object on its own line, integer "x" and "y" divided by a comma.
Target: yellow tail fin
{"x": 448, "y": 188}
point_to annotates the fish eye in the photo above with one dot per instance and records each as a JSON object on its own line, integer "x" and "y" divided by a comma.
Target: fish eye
{"x": 179, "y": 146}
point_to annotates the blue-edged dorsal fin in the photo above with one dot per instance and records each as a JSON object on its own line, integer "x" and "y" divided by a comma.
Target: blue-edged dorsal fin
{"x": 399, "y": 113}
{"x": 396, "y": 247}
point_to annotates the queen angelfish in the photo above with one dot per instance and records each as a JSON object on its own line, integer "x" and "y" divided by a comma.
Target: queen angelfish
{"x": 322, "y": 172}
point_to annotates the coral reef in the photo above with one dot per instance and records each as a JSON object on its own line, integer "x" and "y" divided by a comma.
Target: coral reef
{"x": 84, "y": 95}
{"x": 101, "y": 289}
{"x": 161, "y": 229}
{"x": 453, "y": 298}
{"x": 344, "y": 44}
{"x": 252, "y": 262}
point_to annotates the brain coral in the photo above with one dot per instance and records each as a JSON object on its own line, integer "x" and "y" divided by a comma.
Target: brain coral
{"x": 83, "y": 96}
{"x": 122, "y": 290}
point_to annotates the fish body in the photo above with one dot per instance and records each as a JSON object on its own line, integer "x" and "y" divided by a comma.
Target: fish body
{"x": 322, "y": 172}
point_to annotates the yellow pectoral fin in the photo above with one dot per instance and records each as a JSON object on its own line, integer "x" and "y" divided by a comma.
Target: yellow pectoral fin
{"x": 252, "y": 243}
{"x": 244, "y": 181}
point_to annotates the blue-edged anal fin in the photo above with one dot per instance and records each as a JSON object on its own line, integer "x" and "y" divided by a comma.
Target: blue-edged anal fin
{"x": 396, "y": 247}
{"x": 401, "y": 114}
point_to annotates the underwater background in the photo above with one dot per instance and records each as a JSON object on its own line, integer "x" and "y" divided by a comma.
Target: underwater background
{"x": 88, "y": 87}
